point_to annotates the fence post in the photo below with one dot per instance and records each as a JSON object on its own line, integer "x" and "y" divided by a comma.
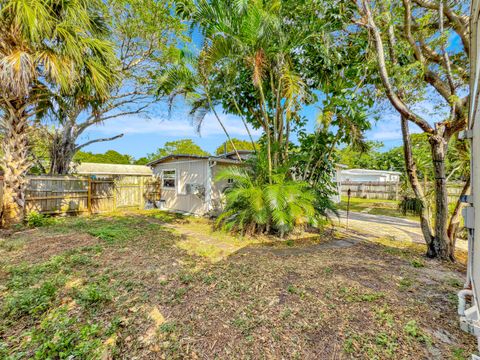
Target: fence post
{"x": 142, "y": 200}
{"x": 89, "y": 195}
{"x": 114, "y": 190}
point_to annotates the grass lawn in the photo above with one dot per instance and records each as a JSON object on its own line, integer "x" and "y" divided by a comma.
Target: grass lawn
{"x": 139, "y": 286}
{"x": 374, "y": 207}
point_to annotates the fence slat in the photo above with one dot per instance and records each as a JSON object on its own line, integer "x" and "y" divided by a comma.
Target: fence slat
{"x": 69, "y": 194}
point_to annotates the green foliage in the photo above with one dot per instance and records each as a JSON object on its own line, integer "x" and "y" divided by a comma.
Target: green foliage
{"x": 417, "y": 263}
{"x": 313, "y": 161}
{"x": 184, "y": 146}
{"x": 60, "y": 336}
{"x": 253, "y": 205}
{"x": 36, "y": 219}
{"x": 239, "y": 144}
{"x": 410, "y": 205}
{"x": 31, "y": 301}
{"x": 256, "y": 71}
{"x": 94, "y": 294}
{"x": 33, "y": 288}
{"x": 411, "y": 329}
{"x": 109, "y": 157}
{"x": 117, "y": 232}
{"x": 364, "y": 157}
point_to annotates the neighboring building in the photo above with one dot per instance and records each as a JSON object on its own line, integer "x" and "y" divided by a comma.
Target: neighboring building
{"x": 111, "y": 170}
{"x": 367, "y": 175}
{"x": 189, "y": 185}
{"x": 188, "y": 181}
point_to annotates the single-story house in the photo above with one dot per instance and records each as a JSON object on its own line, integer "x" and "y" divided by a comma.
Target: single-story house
{"x": 368, "y": 175}
{"x": 188, "y": 181}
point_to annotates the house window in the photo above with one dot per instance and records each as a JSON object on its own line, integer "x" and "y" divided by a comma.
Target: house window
{"x": 229, "y": 181}
{"x": 169, "y": 179}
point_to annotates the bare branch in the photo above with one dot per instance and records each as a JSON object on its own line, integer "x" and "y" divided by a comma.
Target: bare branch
{"x": 97, "y": 140}
{"x": 395, "y": 100}
{"x": 459, "y": 23}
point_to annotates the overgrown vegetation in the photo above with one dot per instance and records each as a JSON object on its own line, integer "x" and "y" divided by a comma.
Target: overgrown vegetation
{"x": 137, "y": 293}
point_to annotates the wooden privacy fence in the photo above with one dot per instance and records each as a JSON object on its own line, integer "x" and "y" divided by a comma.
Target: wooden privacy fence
{"x": 391, "y": 190}
{"x": 68, "y": 194}
{"x": 372, "y": 189}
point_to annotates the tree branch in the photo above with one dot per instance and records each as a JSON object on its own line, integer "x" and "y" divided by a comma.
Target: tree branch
{"x": 459, "y": 23}
{"x": 78, "y": 147}
{"x": 395, "y": 100}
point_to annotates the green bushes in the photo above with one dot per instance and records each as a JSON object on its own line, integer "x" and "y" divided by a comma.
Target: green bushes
{"x": 35, "y": 219}
{"x": 255, "y": 206}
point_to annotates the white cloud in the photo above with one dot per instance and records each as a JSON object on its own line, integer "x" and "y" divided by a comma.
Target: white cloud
{"x": 388, "y": 129}
{"x": 179, "y": 126}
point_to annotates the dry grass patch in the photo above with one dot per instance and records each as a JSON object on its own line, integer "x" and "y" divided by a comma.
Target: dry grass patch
{"x": 128, "y": 286}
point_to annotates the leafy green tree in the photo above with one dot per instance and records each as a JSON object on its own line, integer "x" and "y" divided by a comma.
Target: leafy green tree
{"x": 239, "y": 144}
{"x": 109, "y": 157}
{"x": 411, "y": 49}
{"x": 184, "y": 147}
{"x": 142, "y": 161}
{"x": 264, "y": 61}
{"x": 145, "y": 34}
{"x": 45, "y": 45}
{"x": 261, "y": 67}
{"x": 366, "y": 158}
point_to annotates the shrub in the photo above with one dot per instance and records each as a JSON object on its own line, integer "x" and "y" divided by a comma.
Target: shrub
{"x": 60, "y": 336}
{"x": 31, "y": 301}
{"x": 410, "y": 205}
{"x": 255, "y": 206}
{"x": 35, "y": 219}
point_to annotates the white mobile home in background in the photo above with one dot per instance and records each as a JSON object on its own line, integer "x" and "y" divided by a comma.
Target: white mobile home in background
{"x": 367, "y": 175}
{"x": 189, "y": 185}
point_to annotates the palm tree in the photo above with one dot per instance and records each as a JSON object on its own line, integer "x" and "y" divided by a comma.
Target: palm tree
{"x": 254, "y": 205}
{"x": 249, "y": 39}
{"x": 189, "y": 78}
{"x": 44, "y": 44}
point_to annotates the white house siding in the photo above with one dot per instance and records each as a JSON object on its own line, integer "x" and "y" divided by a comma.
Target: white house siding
{"x": 188, "y": 171}
{"x": 364, "y": 178}
{"x": 367, "y": 175}
{"x": 218, "y": 187}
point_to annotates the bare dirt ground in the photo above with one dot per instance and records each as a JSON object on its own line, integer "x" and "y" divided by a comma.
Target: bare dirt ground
{"x": 139, "y": 286}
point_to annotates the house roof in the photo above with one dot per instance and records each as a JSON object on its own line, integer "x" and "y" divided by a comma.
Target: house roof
{"x": 370, "y": 172}
{"x": 112, "y": 169}
{"x": 233, "y": 153}
{"x": 188, "y": 156}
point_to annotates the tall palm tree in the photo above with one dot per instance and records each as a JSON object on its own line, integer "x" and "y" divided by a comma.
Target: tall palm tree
{"x": 189, "y": 78}
{"x": 250, "y": 37}
{"x": 44, "y": 44}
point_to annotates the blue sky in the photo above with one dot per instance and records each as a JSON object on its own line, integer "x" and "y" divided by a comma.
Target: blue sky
{"x": 144, "y": 134}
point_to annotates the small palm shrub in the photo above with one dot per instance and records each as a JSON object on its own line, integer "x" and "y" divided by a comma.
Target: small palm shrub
{"x": 254, "y": 205}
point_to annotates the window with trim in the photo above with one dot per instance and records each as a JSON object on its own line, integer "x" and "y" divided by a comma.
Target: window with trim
{"x": 169, "y": 179}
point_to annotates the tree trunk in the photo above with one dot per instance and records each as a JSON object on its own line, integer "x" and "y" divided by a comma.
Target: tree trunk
{"x": 452, "y": 230}
{"x": 62, "y": 151}
{"x": 441, "y": 241}
{"x": 411, "y": 169}
{"x": 15, "y": 164}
